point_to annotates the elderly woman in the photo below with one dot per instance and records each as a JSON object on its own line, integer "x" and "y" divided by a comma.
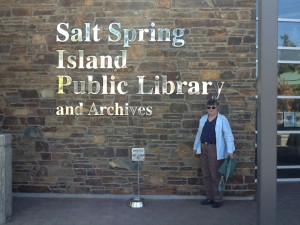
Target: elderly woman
{"x": 213, "y": 143}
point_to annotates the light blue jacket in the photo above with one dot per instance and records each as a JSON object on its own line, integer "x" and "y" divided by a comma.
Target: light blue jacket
{"x": 224, "y": 137}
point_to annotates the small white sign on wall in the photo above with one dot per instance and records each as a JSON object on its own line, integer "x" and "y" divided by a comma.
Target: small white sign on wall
{"x": 138, "y": 154}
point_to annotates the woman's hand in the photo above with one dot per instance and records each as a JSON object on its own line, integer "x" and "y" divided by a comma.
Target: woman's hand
{"x": 195, "y": 154}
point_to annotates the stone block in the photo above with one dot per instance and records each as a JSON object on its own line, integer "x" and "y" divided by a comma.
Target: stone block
{"x": 46, "y": 59}
{"x": 11, "y": 120}
{"x": 234, "y": 40}
{"x": 134, "y": 6}
{"x": 5, "y": 13}
{"x": 33, "y": 189}
{"x": 178, "y": 107}
{"x": 28, "y": 93}
{"x": 164, "y": 4}
{"x": 99, "y": 139}
{"x": 155, "y": 178}
{"x": 41, "y": 146}
{"x": 93, "y": 182}
{"x": 121, "y": 152}
{"x": 22, "y": 12}
{"x": 190, "y": 4}
{"x": 32, "y": 133}
{"x": 4, "y": 49}
{"x": 36, "y": 121}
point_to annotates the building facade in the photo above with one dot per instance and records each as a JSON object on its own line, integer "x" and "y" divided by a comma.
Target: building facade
{"x": 84, "y": 82}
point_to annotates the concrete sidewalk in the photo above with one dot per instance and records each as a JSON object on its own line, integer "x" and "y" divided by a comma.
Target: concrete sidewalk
{"x": 112, "y": 211}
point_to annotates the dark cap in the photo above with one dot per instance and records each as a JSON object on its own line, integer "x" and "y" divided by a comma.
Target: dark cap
{"x": 212, "y": 102}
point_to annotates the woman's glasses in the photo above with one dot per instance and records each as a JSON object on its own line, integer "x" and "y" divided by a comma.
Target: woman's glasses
{"x": 211, "y": 107}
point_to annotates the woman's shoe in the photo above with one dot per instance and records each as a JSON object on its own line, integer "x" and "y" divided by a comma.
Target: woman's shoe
{"x": 217, "y": 204}
{"x": 207, "y": 202}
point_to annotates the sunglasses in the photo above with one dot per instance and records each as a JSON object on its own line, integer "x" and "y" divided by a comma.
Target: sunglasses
{"x": 211, "y": 107}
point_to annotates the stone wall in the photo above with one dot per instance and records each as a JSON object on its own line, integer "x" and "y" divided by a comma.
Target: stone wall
{"x": 88, "y": 150}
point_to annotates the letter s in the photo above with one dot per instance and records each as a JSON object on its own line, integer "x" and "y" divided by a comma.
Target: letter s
{"x": 149, "y": 110}
{"x": 62, "y": 31}
{"x": 115, "y": 32}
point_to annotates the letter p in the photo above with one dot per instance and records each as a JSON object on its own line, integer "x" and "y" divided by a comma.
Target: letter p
{"x": 62, "y": 84}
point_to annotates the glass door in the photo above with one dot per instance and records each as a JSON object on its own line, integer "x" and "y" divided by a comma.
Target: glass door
{"x": 288, "y": 99}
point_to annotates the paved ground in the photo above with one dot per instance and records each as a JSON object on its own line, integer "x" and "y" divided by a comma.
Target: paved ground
{"x": 113, "y": 211}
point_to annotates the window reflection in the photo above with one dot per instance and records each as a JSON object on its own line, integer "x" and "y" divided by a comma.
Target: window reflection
{"x": 289, "y": 9}
{"x": 288, "y": 149}
{"x": 289, "y": 79}
{"x": 289, "y": 55}
{"x": 289, "y": 34}
{"x": 288, "y": 114}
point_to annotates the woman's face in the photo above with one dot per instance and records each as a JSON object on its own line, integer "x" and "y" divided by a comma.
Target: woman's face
{"x": 212, "y": 110}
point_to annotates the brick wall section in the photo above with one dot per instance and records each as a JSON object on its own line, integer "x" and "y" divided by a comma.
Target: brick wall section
{"x": 92, "y": 154}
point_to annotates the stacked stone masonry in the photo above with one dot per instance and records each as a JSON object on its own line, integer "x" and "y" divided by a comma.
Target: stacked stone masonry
{"x": 84, "y": 153}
